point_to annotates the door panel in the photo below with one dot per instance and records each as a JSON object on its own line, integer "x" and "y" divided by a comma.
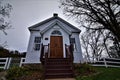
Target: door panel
{"x": 56, "y": 47}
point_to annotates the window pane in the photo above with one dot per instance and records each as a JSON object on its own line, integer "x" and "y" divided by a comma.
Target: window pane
{"x": 72, "y": 40}
{"x": 37, "y": 47}
{"x": 56, "y": 32}
{"x": 37, "y": 39}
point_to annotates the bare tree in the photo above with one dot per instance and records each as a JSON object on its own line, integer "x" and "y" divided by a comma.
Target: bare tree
{"x": 99, "y": 43}
{"x": 115, "y": 48}
{"x": 5, "y": 10}
{"x": 85, "y": 45}
{"x": 95, "y": 14}
{"x": 106, "y": 34}
{"x": 92, "y": 44}
{"x": 96, "y": 44}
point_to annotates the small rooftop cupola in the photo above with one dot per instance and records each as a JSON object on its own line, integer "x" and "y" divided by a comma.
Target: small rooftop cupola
{"x": 55, "y": 15}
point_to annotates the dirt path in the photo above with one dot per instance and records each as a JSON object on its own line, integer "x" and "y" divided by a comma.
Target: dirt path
{"x": 2, "y": 75}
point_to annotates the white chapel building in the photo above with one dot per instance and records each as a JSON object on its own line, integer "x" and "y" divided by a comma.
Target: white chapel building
{"x": 56, "y": 33}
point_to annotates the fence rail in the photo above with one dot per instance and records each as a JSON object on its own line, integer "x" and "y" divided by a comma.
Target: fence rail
{"x": 6, "y": 63}
{"x": 107, "y": 62}
{"x": 3, "y": 63}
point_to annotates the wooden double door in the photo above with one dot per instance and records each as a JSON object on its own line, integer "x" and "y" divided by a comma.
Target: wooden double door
{"x": 56, "y": 47}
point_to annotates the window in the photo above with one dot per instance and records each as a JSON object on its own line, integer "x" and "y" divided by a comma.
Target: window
{"x": 37, "y": 39}
{"x": 72, "y": 41}
{"x": 37, "y": 42}
{"x": 56, "y": 32}
{"x": 37, "y": 47}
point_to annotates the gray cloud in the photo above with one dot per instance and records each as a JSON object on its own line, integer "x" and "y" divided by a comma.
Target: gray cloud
{"x": 24, "y": 14}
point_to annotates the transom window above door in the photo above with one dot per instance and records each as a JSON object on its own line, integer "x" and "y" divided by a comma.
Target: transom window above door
{"x": 56, "y": 32}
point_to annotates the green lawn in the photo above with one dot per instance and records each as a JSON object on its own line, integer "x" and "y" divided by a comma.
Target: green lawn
{"x": 82, "y": 72}
{"x": 102, "y": 73}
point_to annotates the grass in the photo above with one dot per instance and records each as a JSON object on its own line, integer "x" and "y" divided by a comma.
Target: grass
{"x": 102, "y": 73}
{"x": 107, "y": 74}
{"x": 82, "y": 72}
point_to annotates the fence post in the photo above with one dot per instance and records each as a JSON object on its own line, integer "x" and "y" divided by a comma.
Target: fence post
{"x": 9, "y": 62}
{"x": 6, "y": 63}
{"x": 21, "y": 61}
{"x": 85, "y": 59}
{"x": 105, "y": 62}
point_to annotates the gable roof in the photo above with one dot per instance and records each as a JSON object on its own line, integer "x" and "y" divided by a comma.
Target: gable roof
{"x": 55, "y": 16}
{"x": 56, "y": 23}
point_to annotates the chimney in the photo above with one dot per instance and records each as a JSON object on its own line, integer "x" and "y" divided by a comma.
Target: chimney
{"x": 55, "y": 15}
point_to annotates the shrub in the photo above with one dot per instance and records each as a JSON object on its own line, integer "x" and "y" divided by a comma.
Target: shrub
{"x": 16, "y": 72}
{"x": 84, "y": 69}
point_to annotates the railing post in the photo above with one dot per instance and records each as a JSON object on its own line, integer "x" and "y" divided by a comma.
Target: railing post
{"x": 48, "y": 50}
{"x": 42, "y": 53}
{"x": 71, "y": 51}
{"x": 66, "y": 51}
{"x": 45, "y": 64}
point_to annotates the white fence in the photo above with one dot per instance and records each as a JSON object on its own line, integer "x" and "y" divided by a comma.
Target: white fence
{"x": 3, "y": 63}
{"x": 22, "y": 61}
{"x": 6, "y": 62}
{"x": 107, "y": 62}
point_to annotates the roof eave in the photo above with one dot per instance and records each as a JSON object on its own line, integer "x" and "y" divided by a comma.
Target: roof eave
{"x": 54, "y": 17}
{"x": 31, "y": 29}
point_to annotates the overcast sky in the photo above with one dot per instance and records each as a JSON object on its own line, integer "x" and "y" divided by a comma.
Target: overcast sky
{"x": 24, "y": 14}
